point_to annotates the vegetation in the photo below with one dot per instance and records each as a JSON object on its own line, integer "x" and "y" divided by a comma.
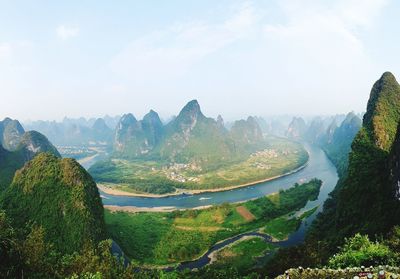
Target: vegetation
{"x": 193, "y": 152}
{"x": 9, "y": 163}
{"x": 359, "y": 250}
{"x": 160, "y": 177}
{"x": 360, "y": 272}
{"x": 242, "y": 254}
{"x": 25, "y": 147}
{"x": 60, "y": 196}
{"x": 365, "y": 200}
{"x": 168, "y": 238}
{"x": 338, "y": 146}
{"x": 280, "y": 228}
{"x": 28, "y": 254}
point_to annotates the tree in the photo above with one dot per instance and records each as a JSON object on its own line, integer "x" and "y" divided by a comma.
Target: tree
{"x": 359, "y": 250}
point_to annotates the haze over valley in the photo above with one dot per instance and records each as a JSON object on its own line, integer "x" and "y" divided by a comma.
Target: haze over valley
{"x": 238, "y": 139}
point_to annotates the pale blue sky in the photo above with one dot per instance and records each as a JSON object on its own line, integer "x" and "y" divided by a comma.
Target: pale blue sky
{"x": 238, "y": 57}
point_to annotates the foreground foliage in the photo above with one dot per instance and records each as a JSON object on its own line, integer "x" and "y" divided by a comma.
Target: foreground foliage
{"x": 60, "y": 196}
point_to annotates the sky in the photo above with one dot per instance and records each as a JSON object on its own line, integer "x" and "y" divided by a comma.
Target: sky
{"x": 236, "y": 57}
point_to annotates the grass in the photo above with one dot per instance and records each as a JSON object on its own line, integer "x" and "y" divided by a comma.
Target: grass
{"x": 173, "y": 237}
{"x": 242, "y": 254}
{"x": 280, "y": 228}
{"x": 308, "y": 213}
{"x": 160, "y": 177}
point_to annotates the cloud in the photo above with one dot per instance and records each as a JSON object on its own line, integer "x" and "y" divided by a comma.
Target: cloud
{"x": 172, "y": 51}
{"x": 5, "y": 50}
{"x": 65, "y": 32}
{"x": 360, "y": 12}
{"x": 321, "y": 49}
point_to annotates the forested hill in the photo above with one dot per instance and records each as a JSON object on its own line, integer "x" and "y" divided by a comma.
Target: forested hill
{"x": 366, "y": 198}
{"x": 190, "y": 136}
{"x": 337, "y": 142}
{"x": 59, "y": 196}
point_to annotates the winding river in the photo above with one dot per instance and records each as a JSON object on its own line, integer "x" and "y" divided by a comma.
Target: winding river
{"x": 318, "y": 166}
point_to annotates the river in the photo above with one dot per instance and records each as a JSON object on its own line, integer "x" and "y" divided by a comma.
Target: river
{"x": 318, "y": 166}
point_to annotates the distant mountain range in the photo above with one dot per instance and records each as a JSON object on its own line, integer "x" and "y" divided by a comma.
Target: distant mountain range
{"x": 18, "y": 147}
{"x": 189, "y": 136}
{"x": 334, "y": 134}
{"x": 79, "y": 132}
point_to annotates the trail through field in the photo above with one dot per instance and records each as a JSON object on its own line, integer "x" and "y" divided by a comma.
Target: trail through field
{"x": 245, "y": 213}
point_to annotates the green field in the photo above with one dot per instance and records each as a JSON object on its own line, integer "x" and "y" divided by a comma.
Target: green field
{"x": 173, "y": 237}
{"x": 242, "y": 254}
{"x": 277, "y": 157}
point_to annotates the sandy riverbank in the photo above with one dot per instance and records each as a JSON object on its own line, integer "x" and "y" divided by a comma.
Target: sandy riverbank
{"x": 116, "y": 192}
{"x": 87, "y": 159}
{"x": 135, "y": 209}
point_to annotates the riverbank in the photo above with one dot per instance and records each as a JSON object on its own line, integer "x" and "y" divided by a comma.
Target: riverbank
{"x": 117, "y": 192}
{"x": 179, "y": 237}
{"x": 213, "y": 255}
{"x": 136, "y": 209}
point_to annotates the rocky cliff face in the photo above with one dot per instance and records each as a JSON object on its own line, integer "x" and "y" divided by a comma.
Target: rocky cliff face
{"x": 246, "y": 131}
{"x": 11, "y": 132}
{"x": 135, "y": 138}
{"x": 152, "y": 128}
{"x": 25, "y": 147}
{"x": 315, "y": 131}
{"x": 297, "y": 128}
{"x": 190, "y": 136}
{"x": 33, "y": 143}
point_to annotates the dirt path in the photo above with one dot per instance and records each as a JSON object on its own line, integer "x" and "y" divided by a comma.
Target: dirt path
{"x": 245, "y": 213}
{"x": 203, "y": 229}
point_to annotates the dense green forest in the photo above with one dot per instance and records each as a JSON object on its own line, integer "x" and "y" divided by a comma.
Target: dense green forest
{"x": 59, "y": 196}
{"x": 364, "y": 200}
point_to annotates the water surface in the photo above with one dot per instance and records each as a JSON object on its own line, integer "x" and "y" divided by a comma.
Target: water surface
{"x": 319, "y": 166}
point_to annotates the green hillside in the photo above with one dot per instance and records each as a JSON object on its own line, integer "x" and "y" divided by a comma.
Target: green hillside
{"x": 365, "y": 200}
{"x": 59, "y": 195}
{"x": 193, "y": 152}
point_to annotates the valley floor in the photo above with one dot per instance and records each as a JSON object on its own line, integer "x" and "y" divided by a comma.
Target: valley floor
{"x": 157, "y": 178}
{"x": 169, "y": 238}
{"x": 117, "y": 190}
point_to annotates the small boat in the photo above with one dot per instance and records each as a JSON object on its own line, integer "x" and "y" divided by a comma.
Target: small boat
{"x": 204, "y": 198}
